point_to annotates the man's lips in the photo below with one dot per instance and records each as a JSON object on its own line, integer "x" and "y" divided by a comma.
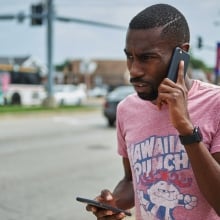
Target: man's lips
{"x": 139, "y": 84}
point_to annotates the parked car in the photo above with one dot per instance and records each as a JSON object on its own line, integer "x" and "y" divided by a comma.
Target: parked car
{"x": 112, "y": 100}
{"x": 98, "y": 92}
{"x": 69, "y": 95}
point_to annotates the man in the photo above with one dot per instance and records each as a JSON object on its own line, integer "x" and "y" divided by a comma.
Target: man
{"x": 169, "y": 132}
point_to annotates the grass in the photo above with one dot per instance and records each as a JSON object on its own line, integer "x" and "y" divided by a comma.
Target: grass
{"x": 42, "y": 109}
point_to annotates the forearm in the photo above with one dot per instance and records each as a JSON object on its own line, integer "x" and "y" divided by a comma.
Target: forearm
{"x": 207, "y": 173}
{"x": 124, "y": 194}
{"x": 205, "y": 167}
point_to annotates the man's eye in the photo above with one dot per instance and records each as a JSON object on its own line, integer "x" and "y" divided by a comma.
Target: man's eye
{"x": 146, "y": 57}
{"x": 129, "y": 57}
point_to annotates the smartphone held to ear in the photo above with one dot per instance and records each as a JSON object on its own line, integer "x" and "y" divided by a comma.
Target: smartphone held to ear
{"x": 177, "y": 56}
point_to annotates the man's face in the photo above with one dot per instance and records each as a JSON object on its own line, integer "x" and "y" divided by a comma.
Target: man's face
{"x": 148, "y": 57}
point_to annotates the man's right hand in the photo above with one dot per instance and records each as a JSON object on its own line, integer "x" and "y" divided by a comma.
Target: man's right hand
{"x": 103, "y": 214}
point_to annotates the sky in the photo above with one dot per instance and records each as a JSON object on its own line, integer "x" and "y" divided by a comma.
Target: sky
{"x": 77, "y": 41}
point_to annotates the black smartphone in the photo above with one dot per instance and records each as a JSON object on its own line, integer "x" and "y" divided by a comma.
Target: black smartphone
{"x": 177, "y": 56}
{"x": 102, "y": 205}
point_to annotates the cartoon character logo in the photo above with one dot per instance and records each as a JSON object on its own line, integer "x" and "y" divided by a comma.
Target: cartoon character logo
{"x": 162, "y": 197}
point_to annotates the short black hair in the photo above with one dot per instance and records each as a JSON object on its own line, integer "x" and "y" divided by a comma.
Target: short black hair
{"x": 174, "y": 25}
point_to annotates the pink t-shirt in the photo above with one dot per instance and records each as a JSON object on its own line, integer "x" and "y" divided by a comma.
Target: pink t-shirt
{"x": 164, "y": 183}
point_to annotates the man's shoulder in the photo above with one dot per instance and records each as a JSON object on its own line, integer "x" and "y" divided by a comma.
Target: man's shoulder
{"x": 128, "y": 101}
{"x": 205, "y": 94}
{"x": 206, "y": 88}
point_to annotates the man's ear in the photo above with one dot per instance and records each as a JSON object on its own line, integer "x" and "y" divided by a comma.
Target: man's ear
{"x": 185, "y": 47}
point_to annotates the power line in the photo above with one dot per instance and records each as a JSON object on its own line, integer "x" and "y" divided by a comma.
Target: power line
{"x": 46, "y": 12}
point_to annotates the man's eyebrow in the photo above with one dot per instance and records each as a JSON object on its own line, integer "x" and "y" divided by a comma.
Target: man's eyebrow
{"x": 144, "y": 53}
{"x": 147, "y": 54}
{"x": 141, "y": 53}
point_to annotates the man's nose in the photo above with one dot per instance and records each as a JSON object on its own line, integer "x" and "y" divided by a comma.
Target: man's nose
{"x": 135, "y": 69}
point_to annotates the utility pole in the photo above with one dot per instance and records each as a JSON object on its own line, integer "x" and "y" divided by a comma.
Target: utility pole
{"x": 40, "y": 13}
{"x": 50, "y": 102}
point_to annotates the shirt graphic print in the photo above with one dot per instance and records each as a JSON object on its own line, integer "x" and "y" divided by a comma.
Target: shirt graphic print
{"x": 162, "y": 176}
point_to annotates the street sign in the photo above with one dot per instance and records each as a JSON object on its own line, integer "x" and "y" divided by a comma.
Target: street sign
{"x": 87, "y": 67}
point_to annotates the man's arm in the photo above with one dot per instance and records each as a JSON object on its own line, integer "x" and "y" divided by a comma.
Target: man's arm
{"x": 122, "y": 196}
{"x": 206, "y": 167}
{"x": 123, "y": 192}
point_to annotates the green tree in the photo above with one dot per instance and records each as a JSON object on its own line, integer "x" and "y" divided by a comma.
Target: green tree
{"x": 60, "y": 67}
{"x": 199, "y": 64}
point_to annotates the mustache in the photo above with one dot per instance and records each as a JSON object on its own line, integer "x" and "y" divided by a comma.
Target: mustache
{"x": 137, "y": 80}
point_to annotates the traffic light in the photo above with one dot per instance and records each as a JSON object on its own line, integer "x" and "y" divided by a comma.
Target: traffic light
{"x": 37, "y": 14}
{"x": 199, "y": 43}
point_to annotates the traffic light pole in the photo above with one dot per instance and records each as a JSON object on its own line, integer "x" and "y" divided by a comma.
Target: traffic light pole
{"x": 49, "y": 14}
{"x": 50, "y": 18}
{"x": 50, "y": 102}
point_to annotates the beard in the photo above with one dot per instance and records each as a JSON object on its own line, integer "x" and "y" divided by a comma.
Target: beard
{"x": 151, "y": 91}
{"x": 148, "y": 96}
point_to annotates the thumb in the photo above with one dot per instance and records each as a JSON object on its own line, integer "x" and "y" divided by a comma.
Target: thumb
{"x": 106, "y": 195}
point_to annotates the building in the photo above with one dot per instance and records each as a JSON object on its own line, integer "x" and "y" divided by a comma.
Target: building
{"x": 105, "y": 72}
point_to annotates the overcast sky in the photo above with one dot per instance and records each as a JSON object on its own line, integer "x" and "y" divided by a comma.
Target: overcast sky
{"x": 73, "y": 41}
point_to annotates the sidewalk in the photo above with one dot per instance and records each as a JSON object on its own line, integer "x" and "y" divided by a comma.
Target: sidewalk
{"x": 98, "y": 102}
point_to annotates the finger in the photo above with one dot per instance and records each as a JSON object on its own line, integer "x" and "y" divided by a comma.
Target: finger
{"x": 165, "y": 88}
{"x": 180, "y": 76}
{"x": 105, "y": 214}
{"x": 106, "y": 195}
{"x": 91, "y": 208}
{"x": 160, "y": 102}
{"x": 118, "y": 216}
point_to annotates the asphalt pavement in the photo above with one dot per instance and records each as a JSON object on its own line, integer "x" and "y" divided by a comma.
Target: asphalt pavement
{"x": 48, "y": 160}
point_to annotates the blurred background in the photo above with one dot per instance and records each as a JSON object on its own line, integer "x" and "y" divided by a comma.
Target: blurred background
{"x": 63, "y": 69}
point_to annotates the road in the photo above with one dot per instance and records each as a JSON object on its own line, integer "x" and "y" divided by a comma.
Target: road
{"x": 48, "y": 160}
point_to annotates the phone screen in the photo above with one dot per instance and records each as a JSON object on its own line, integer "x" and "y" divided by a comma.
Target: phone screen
{"x": 177, "y": 56}
{"x": 102, "y": 205}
